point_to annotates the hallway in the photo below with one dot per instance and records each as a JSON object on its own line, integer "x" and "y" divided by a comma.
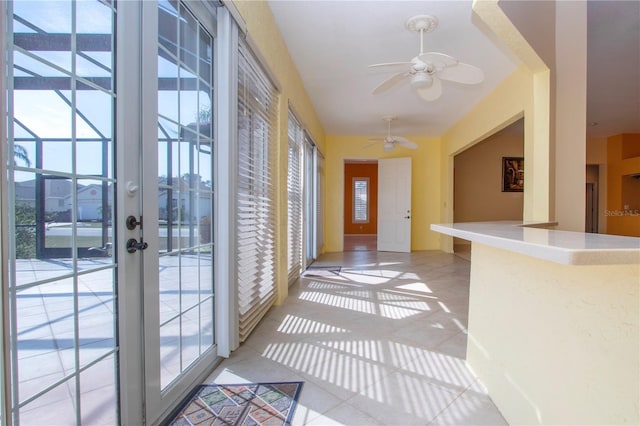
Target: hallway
{"x": 380, "y": 343}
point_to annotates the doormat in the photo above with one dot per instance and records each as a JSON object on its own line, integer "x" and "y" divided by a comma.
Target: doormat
{"x": 250, "y": 404}
{"x": 322, "y": 271}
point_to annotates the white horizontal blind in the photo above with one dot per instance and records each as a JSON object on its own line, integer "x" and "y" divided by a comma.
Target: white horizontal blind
{"x": 256, "y": 220}
{"x": 294, "y": 201}
{"x": 360, "y": 200}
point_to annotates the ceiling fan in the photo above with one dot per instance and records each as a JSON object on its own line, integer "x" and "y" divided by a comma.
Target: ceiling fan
{"x": 426, "y": 70}
{"x": 390, "y": 142}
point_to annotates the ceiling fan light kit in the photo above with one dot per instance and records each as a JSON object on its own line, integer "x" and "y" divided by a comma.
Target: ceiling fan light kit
{"x": 421, "y": 80}
{"x": 426, "y": 70}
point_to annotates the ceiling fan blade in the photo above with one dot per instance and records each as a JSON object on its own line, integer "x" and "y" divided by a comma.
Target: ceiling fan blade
{"x": 392, "y": 64}
{"x": 406, "y": 142}
{"x": 432, "y": 92}
{"x": 440, "y": 60}
{"x": 390, "y": 82}
{"x": 462, "y": 73}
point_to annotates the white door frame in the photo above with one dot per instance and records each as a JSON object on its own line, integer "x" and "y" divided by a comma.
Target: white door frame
{"x": 129, "y": 272}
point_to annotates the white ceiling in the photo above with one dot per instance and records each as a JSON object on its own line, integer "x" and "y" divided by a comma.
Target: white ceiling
{"x": 332, "y": 42}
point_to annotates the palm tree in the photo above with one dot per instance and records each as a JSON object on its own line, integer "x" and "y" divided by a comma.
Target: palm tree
{"x": 20, "y": 153}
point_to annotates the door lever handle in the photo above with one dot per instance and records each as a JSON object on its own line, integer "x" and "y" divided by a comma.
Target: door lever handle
{"x": 407, "y": 217}
{"x": 134, "y": 245}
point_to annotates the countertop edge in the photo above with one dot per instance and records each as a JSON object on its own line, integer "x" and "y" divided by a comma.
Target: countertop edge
{"x": 564, "y": 255}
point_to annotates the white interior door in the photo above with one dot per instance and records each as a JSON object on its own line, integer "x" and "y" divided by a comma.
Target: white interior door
{"x": 394, "y": 205}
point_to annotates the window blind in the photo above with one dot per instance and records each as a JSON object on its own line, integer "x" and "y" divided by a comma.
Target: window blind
{"x": 360, "y": 200}
{"x": 256, "y": 208}
{"x": 294, "y": 200}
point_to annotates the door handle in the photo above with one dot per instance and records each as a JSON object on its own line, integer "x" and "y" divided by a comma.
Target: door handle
{"x": 132, "y": 222}
{"x": 407, "y": 217}
{"x": 134, "y": 245}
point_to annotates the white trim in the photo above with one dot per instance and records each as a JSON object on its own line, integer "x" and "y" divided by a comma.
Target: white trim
{"x": 226, "y": 314}
{"x": 5, "y": 372}
{"x": 130, "y": 301}
{"x": 235, "y": 14}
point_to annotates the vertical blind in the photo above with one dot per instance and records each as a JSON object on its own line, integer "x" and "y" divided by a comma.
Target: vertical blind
{"x": 256, "y": 208}
{"x": 294, "y": 200}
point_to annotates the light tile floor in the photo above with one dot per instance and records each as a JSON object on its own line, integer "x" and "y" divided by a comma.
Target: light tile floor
{"x": 382, "y": 343}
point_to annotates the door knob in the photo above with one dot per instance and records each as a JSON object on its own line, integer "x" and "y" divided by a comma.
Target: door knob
{"x": 132, "y": 222}
{"x": 134, "y": 245}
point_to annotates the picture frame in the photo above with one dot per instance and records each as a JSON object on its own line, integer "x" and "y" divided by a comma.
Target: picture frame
{"x": 512, "y": 174}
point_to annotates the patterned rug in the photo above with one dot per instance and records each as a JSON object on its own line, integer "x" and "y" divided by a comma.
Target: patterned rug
{"x": 268, "y": 404}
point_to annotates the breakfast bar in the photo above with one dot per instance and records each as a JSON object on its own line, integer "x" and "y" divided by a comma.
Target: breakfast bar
{"x": 554, "y": 322}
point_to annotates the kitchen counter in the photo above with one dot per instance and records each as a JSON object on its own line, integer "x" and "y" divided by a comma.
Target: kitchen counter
{"x": 554, "y": 322}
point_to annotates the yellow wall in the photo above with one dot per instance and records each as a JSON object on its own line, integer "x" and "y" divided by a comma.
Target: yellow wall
{"x": 424, "y": 183}
{"x": 265, "y": 37}
{"x": 512, "y": 100}
{"x": 533, "y": 322}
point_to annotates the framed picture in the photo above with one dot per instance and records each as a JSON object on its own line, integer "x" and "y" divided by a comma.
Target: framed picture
{"x": 512, "y": 174}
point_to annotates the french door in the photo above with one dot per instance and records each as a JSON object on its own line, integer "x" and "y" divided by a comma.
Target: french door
{"x": 108, "y": 208}
{"x": 178, "y": 198}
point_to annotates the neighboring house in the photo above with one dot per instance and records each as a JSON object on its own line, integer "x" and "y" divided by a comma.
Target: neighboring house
{"x": 187, "y": 201}
{"x": 58, "y": 198}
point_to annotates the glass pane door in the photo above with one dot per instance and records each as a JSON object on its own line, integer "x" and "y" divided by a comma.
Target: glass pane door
{"x": 62, "y": 292}
{"x": 182, "y": 223}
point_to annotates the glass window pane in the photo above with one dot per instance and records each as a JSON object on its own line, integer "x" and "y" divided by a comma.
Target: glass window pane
{"x": 206, "y": 324}
{"x": 169, "y": 352}
{"x": 52, "y": 39}
{"x": 361, "y": 200}
{"x": 206, "y": 53}
{"x": 190, "y": 333}
{"x": 45, "y": 338}
{"x": 96, "y": 315}
{"x": 167, "y": 87}
{"x": 45, "y": 113}
{"x": 205, "y": 163}
{"x": 188, "y": 40}
{"x": 168, "y": 26}
{"x": 169, "y": 288}
{"x": 98, "y": 397}
{"x": 50, "y": 408}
